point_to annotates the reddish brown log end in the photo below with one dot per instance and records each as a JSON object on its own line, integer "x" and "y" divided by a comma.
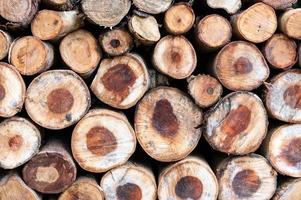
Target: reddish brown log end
{"x": 129, "y": 191}
{"x": 243, "y": 66}
{"x": 292, "y": 96}
{"x": 15, "y": 142}
{"x": 189, "y": 187}
{"x": 292, "y": 151}
{"x": 60, "y": 101}
{"x": 2, "y": 92}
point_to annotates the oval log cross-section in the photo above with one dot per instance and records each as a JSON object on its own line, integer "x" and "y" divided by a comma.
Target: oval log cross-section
{"x": 167, "y": 128}
{"x": 237, "y": 124}
{"x": 153, "y": 7}
{"x": 290, "y": 23}
{"x": 289, "y": 189}
{"x": 230, "y": 6}
{"x": 103, "y": 139}
{"x": 129, "y": 182}
{"x": 280, "y": 5}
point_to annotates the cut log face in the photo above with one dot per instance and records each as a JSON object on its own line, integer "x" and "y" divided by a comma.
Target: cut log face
{"x": 103, "y": 139}
{"x": 61, "y": 5}
{"x": 12, "y": 90}
{"x": 290, "y": 23}
{"x": 290, "y": 189}
{"x": 80, "y": 51}
{"x": 175, "y": 57}
{"x": 246, "y": 177}
{"x": 213, "y": 32}
{"x": 52, "y": 25}
{"x": 30, "y": 55}
{"x": 106, "y": 13}
{"x": 12, "y": 187}
{"x": 231, "y": 6}
{"x": 179, "y": 19}
{"x": 121, "y": 81}
{"x": 5, "y": 42}
{"x": 20, "y": 140}
{"x": 237, "y": 124}
{"x": 240, "y": 66}
{"x": 283, "y": 96}
{"x": 280, "y": 5}
{"x": 255, "y": 24}
{"x": 167, "y": 128}
{"x": 116, "y": 42}
{"x": 153, "y": 7}
{"x": 51, "y": 171}
{"x": 129, "y": 182}
{"x": 280, "y": 51}
{"x": 205, "y": 90}
{"x": 190, "y": 178}
{"x": 57, "y": 99}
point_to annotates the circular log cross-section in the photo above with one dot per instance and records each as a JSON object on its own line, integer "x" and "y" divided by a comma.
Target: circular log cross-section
{"x": 230, "y": 6}
{"x": 57, "y": 99}
{"x": 290, "y": 23}
{"x": 240, "y": 66}
{"x": 30, "y": 55}
{"x": 153, "y": 7}
{"x": 237, "y": 124}
{"x": 61, "y": 5}
{"x": 20, "y": 140}
{"x": 121, "y": 81}
{"x": 129, "y": 182}
{"x": 288, "y": 190}
{"x": 51, "y": 171}
{"x": 191, "y": 178}
{"x": 175, "y": 57}
{"x": 280, "y": 5}
{"x": 116, "y": 42}
{"x": 179, "y": 19}
{"x": 5, "y": 42}
{"x": 106, "y": 13}
{"x": 255, "y": 24}
{"x": 167, "y": 128}
{"x": 80, "y": 51}
{"x": 103, "y": 139}
{"x": 12, "y": 90}
{"x": 246, "y": 177}
{"x": 208, "y": 32}
{"x": 280, "y": 51}
{"x": 205, "y": 90}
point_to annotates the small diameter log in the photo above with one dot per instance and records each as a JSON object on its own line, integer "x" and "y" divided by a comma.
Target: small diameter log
{"x": 230, "y": 6}
{"x": 175, "y": 57}
{"x": 153, "y": 7}
{"x": 116, "y": 42}
{"x": 205, "y": 90}
{"x": 179, "y": 19}
{"x": 52, "y": 170}
{"x": 280, "y": 51}
{"x": 247, "y": 177}
{"x": 61, "y": 5}
{"x": 102, "y": 140}
{"x": 106, "y": 13}
{"x": 52, "y": 25}
{"x": 145, "y": 29}
{"x": 80, "y": 51}
{"x": 289, "y": 190}
{"x": 255, "y": 24}
{"x": 280, "y": 5}
{"x": 30, "y": 55}
{"x": 20, "y": 140}
{"x": 12, "y": 90}
{"x": 5, "y": 42}
{"x": 121, "y": 81}
{"x": 129, "y": 182}
{"x": 83, "y": 188}
{"x": 57, "y": 99}
{"x": 167, "y": 124}
{"x": 237, "y": 124}
{"x": 208, "y": 32}
{"x": 240, "y": 66}
{"x": 190, "y": 178}
{"x": 290, "y": 23}
{"x": 282, "y": 96}
{"x": 12, "y": 187}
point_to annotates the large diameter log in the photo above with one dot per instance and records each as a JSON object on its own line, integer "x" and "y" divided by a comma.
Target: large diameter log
{"x": 106, "y": 13}
{"x": 237, "y": 124}
{"x": 57, "y": 99}
{"x": 61, "y": 5}
{"x": 52, "y": 25}
{"x": 247, "y": 177}
{"x": 290, "y": 23}
{"x": 129, "y": 182}
{"x": 230, "y": 6}
{"x": 103, "y": 139}
{"x": 52, "y": 170}
{"x": 255, "y": 24}
{"x": 240, "y": 66}
{"x": 280, "y": 5}
{"x": 5, "y": 42}
{"x": 190, "y": 178}
{"x": 30, "y": 55}
{"x": 167, "y": 124}
{"x": 20, "y": 140}
{"x": 12, "y": 90}
{"x": 289, "y": 190}
{"x": 153, "y": 7}
{"x": 281, "y": 51}
{"x": 121, "y": 81}
{"x": 175, "y": 57}
{"x": 80, "y": 51}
